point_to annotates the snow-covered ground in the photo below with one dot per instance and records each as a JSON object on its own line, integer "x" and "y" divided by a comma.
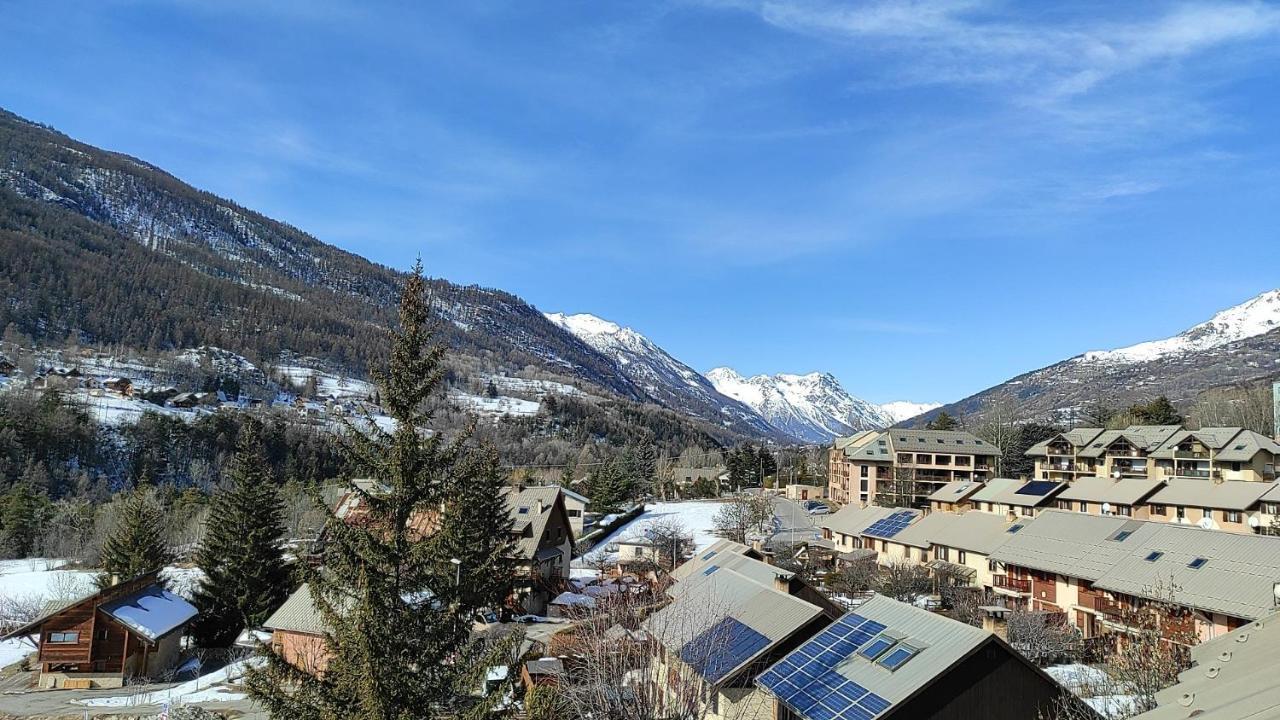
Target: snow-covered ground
{"x": 1096, "y": 688}
{"x": 530, "y": 387}
{"x": 327, "y": 384}
{"x": 206, "y": 688}
{"x": 498, "y": 406}
{"x": 696, "y": 516}
{"x": 30, "y": 583}
{"x": 110, "y": 409}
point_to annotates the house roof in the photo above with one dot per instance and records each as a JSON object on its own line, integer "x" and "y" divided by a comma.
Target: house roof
{"x": 921, "y": 533}
{"x": 1143, "y": 437}
{"x": 152, "y": 612}
{"x": 977, "y": 532}
{"x": 1230, "y": 444}
{"x": 1074, "y": 544}
{"x": 731, "y": 555}
{"x": 1226, "y": 495}
{"x": 853, "y": 520}
{"x": 956, "y": 491}
{"x": 1077, "y": 438}
{"x": 722, "y": 619}
{"x": 718, "y": 552}
{"x": 297, "y": 614}
{"x": 1233, "y": 676}
{"x": 1007, "y": 491}
{"x": 523, "y": 505}
{"x": 545, "y": 666}
{"x": 828, "y": 671}
{"x": 1237, "y": 578}
{"x": 1125, "y": 491}
{"x": 871, "y": 445}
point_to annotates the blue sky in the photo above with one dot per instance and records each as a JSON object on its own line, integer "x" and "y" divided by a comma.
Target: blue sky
{"x": 924, "y": 198}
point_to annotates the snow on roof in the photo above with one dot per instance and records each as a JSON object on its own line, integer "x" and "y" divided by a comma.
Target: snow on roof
{"x": 152, "y": 612}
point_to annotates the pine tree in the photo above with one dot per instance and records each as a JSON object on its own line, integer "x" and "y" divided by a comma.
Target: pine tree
{"x": 245, "y": 578}
{"x": 398, "y": 611}
{"x": 943, "y": 421}
{"x": 135, "y": 546}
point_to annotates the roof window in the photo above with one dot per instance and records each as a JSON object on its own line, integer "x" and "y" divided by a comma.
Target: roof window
{"x": 1154, "y": 555}
{"x": 877, "y": 647}
{"x": 1197, "y": 563}
{"x": 897, "y": 657}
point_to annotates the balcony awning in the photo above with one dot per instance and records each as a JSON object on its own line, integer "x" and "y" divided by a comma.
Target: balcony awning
{"x": 963, "y": 571}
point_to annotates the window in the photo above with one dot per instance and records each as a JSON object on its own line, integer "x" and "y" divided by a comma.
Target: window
{"x": 1197, "y": 563}
{"x": 1232, "y": 516}
{"x": 991, "y": 566}
{"x": 711, "y": 569}
{"x": 1084, "y": 506}
{"x": 1206, "y": 513}
{"x": 1064, "y": 504}
{"x": 1271, "y": 508}
{"x": 877, "y": 647}
{"x": 1181, "y": 513}
{"x": 897, "y": 657}
{"x": 1013, "y": 529}
{"x": 64, "y": 637}
{"x": 1124, "y": 510}
{"x": 575, "y": 513}
{"x": 1158, "y": 510}
{"x": 1025, "y": 511}
{"x": 943, "y": 553}
{"x": 862, "y": 470}
{"x": 960, "y": 556}
{"x": 1235, "y": 467}
{"x": 1122, "y": 535}
{"x": 1154, "y": 555}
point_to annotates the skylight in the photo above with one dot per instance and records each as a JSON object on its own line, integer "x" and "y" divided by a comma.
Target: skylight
{"x": 897, "y": 657}
{"x": 1197, "y": 563}
{"x": 710, "y": 555}
{"x": 1154, "y": 555}
{"x": 877, "y": 647}
{"x": 1013, "y": 529}
{"x": 1122, "y": 535}
{"x": 711, "y": 569}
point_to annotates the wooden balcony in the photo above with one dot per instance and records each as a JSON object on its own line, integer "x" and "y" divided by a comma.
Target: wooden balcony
{"x": 1015, "y": 584}
{"x": 1191, "y": 454}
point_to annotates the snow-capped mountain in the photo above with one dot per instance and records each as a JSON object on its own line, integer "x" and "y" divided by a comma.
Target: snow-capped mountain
{"x": 900, "y": 410}
{"x": 812, "y": 407}
{"x": 1239, "y": 345}
{"x": 665, "y": 379}
{"x": 1256, "y": 316}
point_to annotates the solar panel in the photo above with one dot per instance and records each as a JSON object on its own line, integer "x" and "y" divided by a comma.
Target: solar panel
{"x": 715, "y": 652}
{"x": 892, "y": 525}
{"x": 1039, "y": 488}
{"x": 806, "y": 680}
{"x": 710, "y": 555}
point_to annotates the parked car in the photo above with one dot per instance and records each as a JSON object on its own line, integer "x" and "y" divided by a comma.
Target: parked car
{"x": 528, "y": 619}
{"x": 819, "y": 510}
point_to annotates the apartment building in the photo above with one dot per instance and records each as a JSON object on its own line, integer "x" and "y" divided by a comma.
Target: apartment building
{"x": 1016, "y": 498}
{"x": 911, "y": 464}
{"x": 1157, "y": 452}
{"x": 962, "y": 548}
{"x": 1125, "y": 497}
{"x": 844, "y": 528}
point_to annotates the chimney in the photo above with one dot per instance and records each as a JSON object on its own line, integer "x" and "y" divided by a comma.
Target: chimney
{"x": 1275, "y": 409}
{"x": 539, "y": 506}
{"x": 782, "y": 583}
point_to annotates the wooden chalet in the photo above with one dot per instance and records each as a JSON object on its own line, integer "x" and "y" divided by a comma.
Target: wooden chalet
{"x": 131, "y": 629}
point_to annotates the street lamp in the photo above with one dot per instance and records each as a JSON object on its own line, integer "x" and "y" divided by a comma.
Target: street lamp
{"x": 457, "y": 571}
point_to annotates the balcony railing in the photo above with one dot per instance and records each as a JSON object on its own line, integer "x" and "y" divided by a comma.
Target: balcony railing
{"x": 1008, "y": 582}
{"x": 1191, "y": 454}
{"x": 1192, "y": 473}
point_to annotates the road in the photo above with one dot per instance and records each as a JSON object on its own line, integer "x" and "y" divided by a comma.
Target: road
{"x": 794, "y": 524}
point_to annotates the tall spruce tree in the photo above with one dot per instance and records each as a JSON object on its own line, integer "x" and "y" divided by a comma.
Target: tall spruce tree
{"x": 136, "y": 544}
{"x": 245, "y": 577}
{"x": 398, "y": 611}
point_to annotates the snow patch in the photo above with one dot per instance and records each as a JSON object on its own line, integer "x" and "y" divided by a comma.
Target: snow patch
{"x": 1257, "y": 316}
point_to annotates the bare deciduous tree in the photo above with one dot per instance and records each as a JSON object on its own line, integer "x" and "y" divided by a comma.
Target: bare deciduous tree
{"x": 1044, "y": 637}
{"x": 742, "y": 515}
{"x": 903, "y": 580}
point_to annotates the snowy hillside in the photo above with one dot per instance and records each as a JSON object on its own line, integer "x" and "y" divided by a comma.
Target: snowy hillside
{"x": 665, "y": 379}
{"x": 1254, "y": 317}
{"x": 813, "y": 407}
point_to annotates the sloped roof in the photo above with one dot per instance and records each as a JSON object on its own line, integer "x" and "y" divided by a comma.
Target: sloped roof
{"x": 976, "y": 532}
{"x": 1125, "y": 491}
{"x": 871, "y": 445}
{"x": 1230, "y": 444}
{"x": 297, "y": 614}
{"x": 939, "y": 441}
{"x": 152, "y": 612}
{"x": 1226, "y": 495}
{"x": 1073, "y": 544}
{"x": 718, "y": 552}
{"x": 921, "y": 533}
{"x": 853, "y": 520}
{"x": 1243, "y": 686}
{"x": 956, "y": 491}
{"x": 1005, "y": 491}
{"x": 523, "y": 505}
{"x": 1077, "y": 439}
{"x": 1143, "y": 437}
{"x": 1237, "y": 580}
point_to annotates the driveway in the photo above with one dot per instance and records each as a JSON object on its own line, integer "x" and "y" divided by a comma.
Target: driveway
{"x": 793, "y": 524}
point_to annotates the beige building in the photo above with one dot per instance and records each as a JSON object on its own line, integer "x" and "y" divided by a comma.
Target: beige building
{"x": 1016, "y": 498}
{"x": 910, "y": 464}
{"x": 844, "y": 528}
{"x": 1157, "y": 452}
{"x": 963, "y": 547}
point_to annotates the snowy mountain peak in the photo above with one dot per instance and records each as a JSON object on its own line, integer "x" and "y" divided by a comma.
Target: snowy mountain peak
{"x": 586, "y": 324}
{"x": 813, "y": 406}
{"x": 1257, "y": 316}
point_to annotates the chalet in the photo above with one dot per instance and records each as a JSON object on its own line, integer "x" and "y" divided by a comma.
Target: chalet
{"x": 298, "y": 632}
{"x": 122, "y": 386}
{"x": 6, "y": 366}
{"x": 101, "y": 640}
{"x": 891, "y": 661}
{"x": 543, "y": 671}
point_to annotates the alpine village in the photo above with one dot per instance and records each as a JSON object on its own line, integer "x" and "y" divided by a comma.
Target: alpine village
{"x": 250, "y": 472}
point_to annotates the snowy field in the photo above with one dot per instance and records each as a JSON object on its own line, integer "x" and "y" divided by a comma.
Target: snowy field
{"x": 327, "y": 384}
{"x": 696, "y": 516}
{"x": 495, "y": 406}
{"x": 114, "y": 410}
{"x": 30, "y": 583}
{"x": 206, "y": 688}
{"x": 531, "y": 387}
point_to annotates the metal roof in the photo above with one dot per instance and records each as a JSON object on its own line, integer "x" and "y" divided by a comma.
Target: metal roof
{"x": 1004, "y": 491}
{"x": 297, "y": 614}
{"x": 1074, "y": 544}
{"x": 977, "y": 532}
{"x": 1238, "y": 578}
{"x": 152, "y": 612}
{"x": 718, "y": 552}
{"x": 853, "y": 520}
{"x": 921, "y": 532}
{"x": 1225, "y": 495}
{"x": 1233, "y": 677}
{"x": 939, "y": 441}
{"x": 1125, "y": 491}
{"x": 1077, "y": 439}
{"x": 956, "y": 491}
{"x": 940, "y": 641}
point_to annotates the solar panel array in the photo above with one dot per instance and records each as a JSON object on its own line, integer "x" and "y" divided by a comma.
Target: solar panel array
{"x": 716, "y": 651}
{"x": 892, "y": 525}
{"x": 806, "y": 680}
{"x": 1038, "y": 488}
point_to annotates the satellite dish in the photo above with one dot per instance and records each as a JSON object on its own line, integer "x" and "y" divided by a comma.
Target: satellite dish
{"x": 1106, "y": 507}
{"x": 1206, "y": 523}
{"x": 1255, "y": 521}
{"x": 1275, "y": 592}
